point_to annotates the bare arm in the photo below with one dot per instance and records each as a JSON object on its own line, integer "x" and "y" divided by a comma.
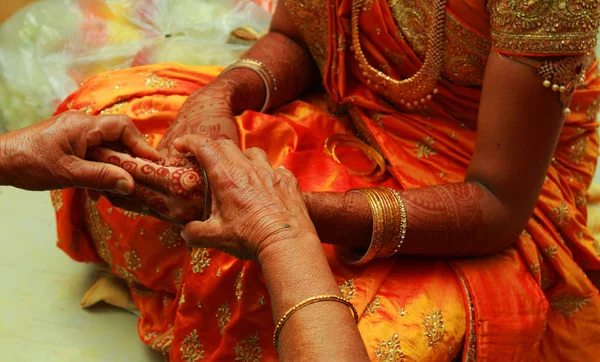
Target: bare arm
{"x": 518, "y": 128}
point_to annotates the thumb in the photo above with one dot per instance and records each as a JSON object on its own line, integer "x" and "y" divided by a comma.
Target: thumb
{"x": 103, "y": 177}
{"x": 202, "y": 234}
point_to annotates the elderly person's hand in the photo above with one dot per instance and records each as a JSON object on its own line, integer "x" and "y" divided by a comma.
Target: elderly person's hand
{"x": 253, "y": 205}
{"x": 51, "y": 154}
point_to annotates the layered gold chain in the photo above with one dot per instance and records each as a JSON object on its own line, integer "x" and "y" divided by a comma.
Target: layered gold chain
{"x": 415, "y": 91}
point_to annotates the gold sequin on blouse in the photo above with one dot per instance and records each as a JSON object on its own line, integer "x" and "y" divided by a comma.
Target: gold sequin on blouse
{"x": 223, "y": 317}
{"x": 389, "y": 351}
{"x": 434, "y": 327}
{"x": 248, "y": 350}
{"x": 57, "y": 200}
{"x": 556, "y": 27}
{"x": 200, "y": 260}
{"x": 192, "y": 349}
{"x": 568, "y": 304}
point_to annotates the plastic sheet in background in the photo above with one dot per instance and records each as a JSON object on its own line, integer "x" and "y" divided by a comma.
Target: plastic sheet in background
{"x": 51, "y": 46}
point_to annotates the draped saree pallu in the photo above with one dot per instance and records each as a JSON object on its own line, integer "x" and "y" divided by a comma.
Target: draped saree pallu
{"x": 531, "y": 302}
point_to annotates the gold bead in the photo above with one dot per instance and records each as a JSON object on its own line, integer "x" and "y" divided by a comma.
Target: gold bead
{"x": 547, "y": 83}
{"x": 423, "y": 100}
{"x": 566, "y": 112}
{"x": 562, "y": 89}
{"x": 429, "y": 97}
{"x": 436, "y": 91}
{"x": 402, "y": 101}
{"x": 555, "y": 87}
{"x": 415, "y": 103}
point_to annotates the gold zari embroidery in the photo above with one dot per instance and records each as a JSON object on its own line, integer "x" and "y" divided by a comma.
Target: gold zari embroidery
{"x": 555, "y": 27}
{"x": 223, "y": 317}
{"x": 171, "y": 237}
{"x": 389, "y": 351}
{"x": 115, "y": 109}
{"x": 200, "y": 260}
{"x": 374, "y": 305}
{"x": 248, "y": 350}
{"x": 466, "y": 51}
{"x": 238, "y": 285}
{"x": 192, "y": 349}
{"x": 57, "y": 200}
{"x": 568, "y": 304}
{"x": 348, "y": 290}
{"x": 434, "y": 327}
{"x": 310, "y": 17}
{"x": 132, "y": 260}
{"x": 561, "y": 214}
{"x": 154, "y": 81}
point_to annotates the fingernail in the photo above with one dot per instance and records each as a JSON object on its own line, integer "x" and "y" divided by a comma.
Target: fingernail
{"x": 183, "y": 235}
{"x": 123, "y": 187}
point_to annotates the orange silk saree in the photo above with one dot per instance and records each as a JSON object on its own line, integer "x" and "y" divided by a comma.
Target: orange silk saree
{"x": 530, "y": 302}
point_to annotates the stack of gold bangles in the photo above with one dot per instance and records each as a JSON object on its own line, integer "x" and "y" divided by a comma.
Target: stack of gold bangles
{"x": 389, "y": 226}
{"x": 262, "y": 71}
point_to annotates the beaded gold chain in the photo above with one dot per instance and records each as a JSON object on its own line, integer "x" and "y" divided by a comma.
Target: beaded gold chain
{"x": 415, "y": 91}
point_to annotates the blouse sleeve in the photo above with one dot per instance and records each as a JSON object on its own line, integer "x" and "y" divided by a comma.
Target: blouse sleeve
{"x": 543, "y": 27}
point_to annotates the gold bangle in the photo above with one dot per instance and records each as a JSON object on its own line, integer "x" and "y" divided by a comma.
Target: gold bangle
{"x": 309, "y": 301}
{"x": 262, "y": 71}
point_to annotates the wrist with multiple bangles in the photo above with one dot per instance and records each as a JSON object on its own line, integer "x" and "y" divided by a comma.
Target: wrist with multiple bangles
{"x": 262, "y": 71}
{"x": 389, "y": 226}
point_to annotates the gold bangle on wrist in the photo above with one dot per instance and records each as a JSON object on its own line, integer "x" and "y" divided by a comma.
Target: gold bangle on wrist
{"x": 309, "y": 301}
{"x": 262, "y": 71}
{"x": 389, "y": 226}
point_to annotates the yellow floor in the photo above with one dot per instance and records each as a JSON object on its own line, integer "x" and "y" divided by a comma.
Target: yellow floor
{"x": 40, "y": 290}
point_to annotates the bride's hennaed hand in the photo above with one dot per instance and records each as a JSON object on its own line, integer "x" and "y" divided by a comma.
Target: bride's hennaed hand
{"x": 253, "y": 205}
{"x": 207, "y": 113}
{"x": 168, "y": 189}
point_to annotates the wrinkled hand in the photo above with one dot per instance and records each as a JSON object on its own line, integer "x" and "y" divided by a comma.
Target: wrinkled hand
{"x": 51, "y": 154}
{"x": 169, "y": 189}
{"x": 253, "y": 205}
{"x": 206, "y": 113}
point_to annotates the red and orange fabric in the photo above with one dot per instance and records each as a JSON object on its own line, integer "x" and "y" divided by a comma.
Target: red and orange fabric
{"x": 530, "y": 302}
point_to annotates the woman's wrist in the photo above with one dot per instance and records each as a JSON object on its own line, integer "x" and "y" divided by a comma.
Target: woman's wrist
{"x": 245, "y": 90}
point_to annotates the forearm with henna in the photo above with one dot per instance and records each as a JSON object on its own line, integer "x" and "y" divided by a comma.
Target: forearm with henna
{"x": 448, "y": 220}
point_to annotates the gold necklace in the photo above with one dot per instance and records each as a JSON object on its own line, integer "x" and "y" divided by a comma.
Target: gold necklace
{"x": 415, "y": 91}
